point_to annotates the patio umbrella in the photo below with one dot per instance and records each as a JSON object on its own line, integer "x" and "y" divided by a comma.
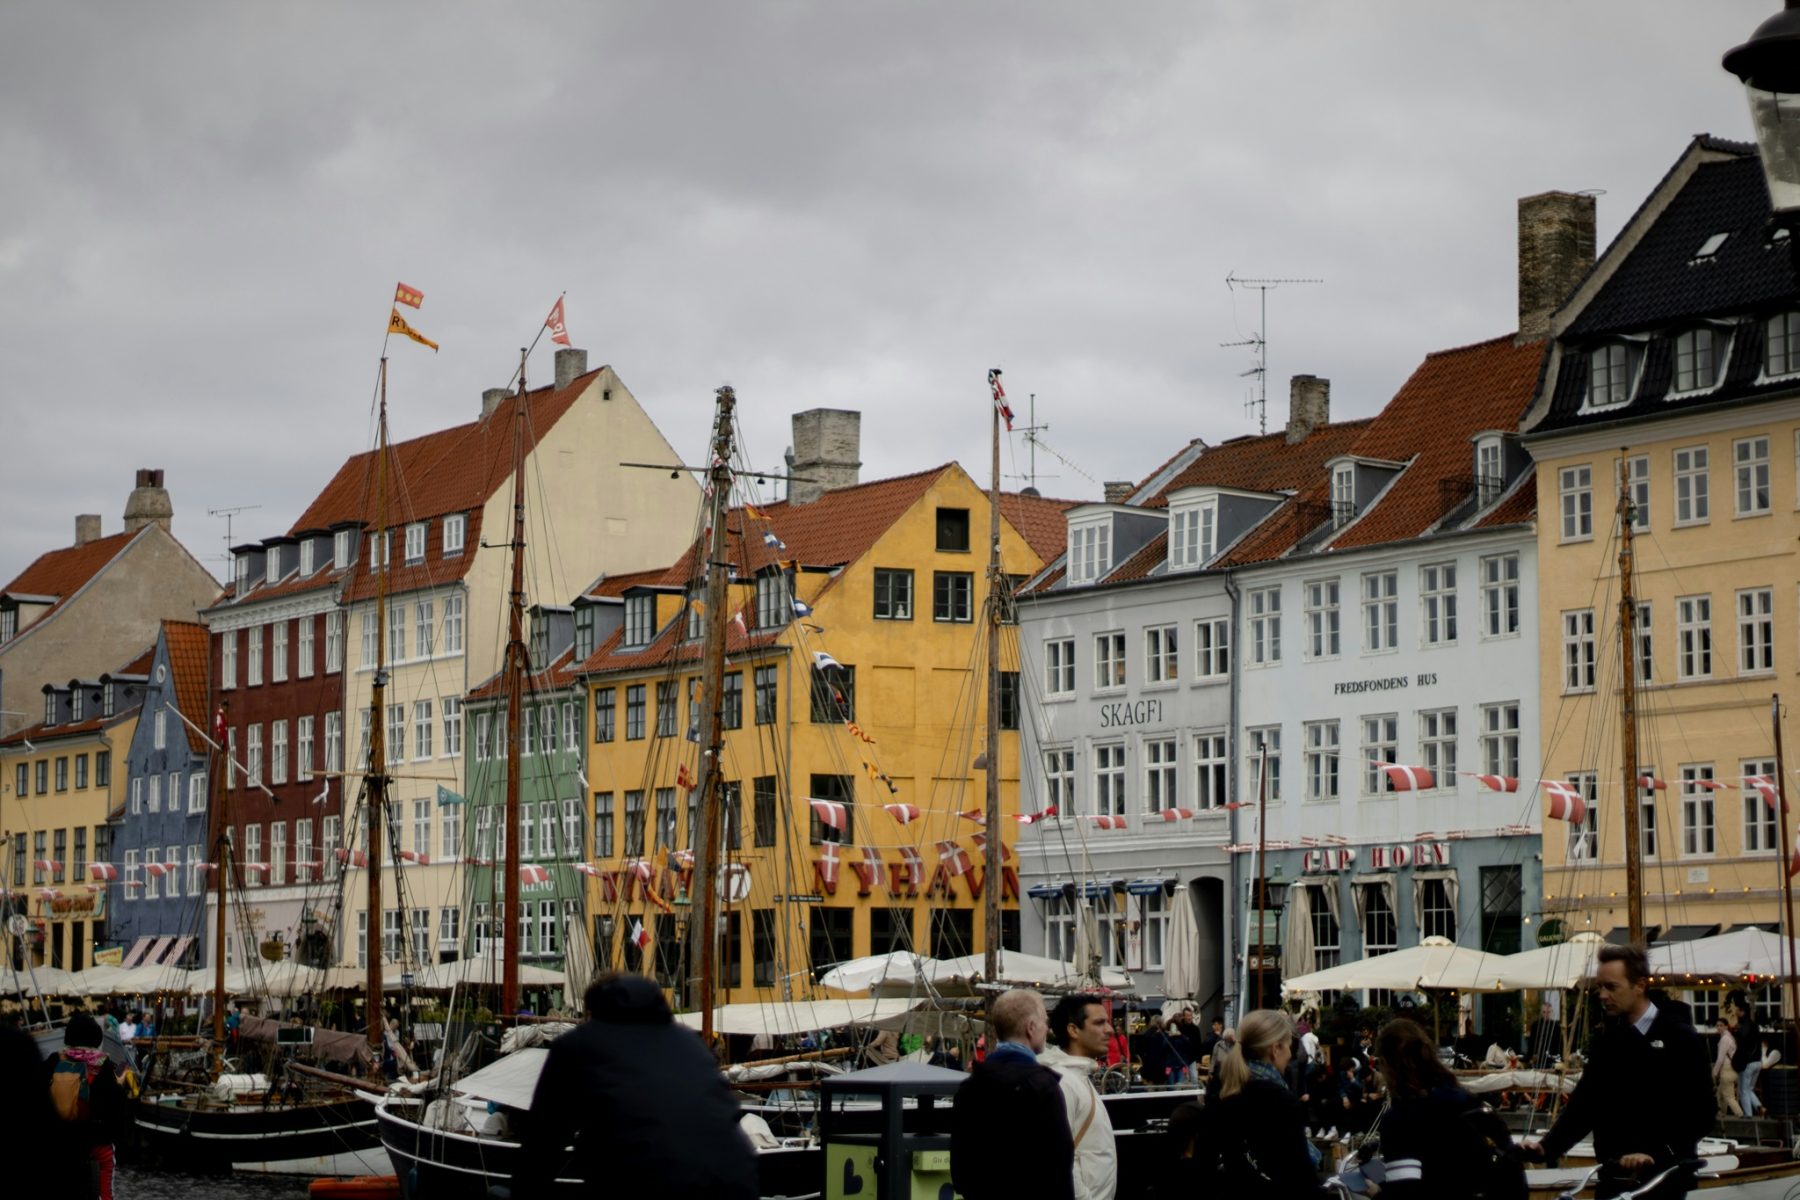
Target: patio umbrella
{"x": 1738, "y": 953}
{"x": 1181, "y": 954}
{"x": 1434, "y": 963}
{"x": 1552, "y": 967}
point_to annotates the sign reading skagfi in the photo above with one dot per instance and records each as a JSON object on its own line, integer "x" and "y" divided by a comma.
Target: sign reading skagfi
{"x": 1131, "y": 712}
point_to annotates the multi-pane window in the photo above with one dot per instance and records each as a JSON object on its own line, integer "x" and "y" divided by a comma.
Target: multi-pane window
{"x": 774, "y": 601}
{"x": 1321, "y": 753}
{"x": 1637, "y": 475}
{"x": 278, "y": 651}
{"x": 1437, "y": 744}
{"x": 952, "y": 596}
{"x": 1437, "y": 915}
{"x": 253, "y": 669}
{"x": 1646, "y": 796}
{"x": 1781, "y": 354}
{"x": 1265, "y": 759}
{"x": 1756, "y": 630}
{"x": 1500, "y": 739}
{"x": 278, "y": 755}
{"x": 334, "y": 642}
{"x": 278, "y": 833}
{"x": 1578, "y": 650}
{"x": 415, "y": 542}
{"x": 1576, "y": 489}
{"x": 1691, "y": 500}
{"x": 1327, "y": 937}
{"x": 1059, "y": 667}
{"x": 1210, "y": 761}
{"x": 328, "y": 848}
{"x": 303, "y": 849}
{"x": 1090, "y": 552}
{"x": 424, "y": 628}
{"x": 1610, "y": 368}
{"x": 396, "y": 732}
{"x": 253, "y": 853}
{"x": 1693, "y": 637}
{"x": 1697, "y": 816}
{"x": 634, "y": 712}
{"x": 640, "y": 620}
{"x": 1381, "y": 744}
{"x": 605, "y": 713}
{"x": 1381, "y": 611}
{"x": 1265, "y": 625}
{"x": 668, "y": 712}
{"x": 453, "y": 725}
{"x": 665, "y": 818}
{"x": 1059, "y": 780}
{"x": 1162, "y": 661}
{"x": 763, "y": 797}
{"x": 228, "y": 647}
{"x": 765, "y": 681}
{"x": 603, "y": 825}
{"x": 1381, "y": 926}
{"x": 453, "y": 624}
{"x": 634, "y": 823}
{"x": 893, "y": 594}
{"x": 1437, "y": 603}
{"x": 1109, "y": 660}
{"x": 731, "y": 708}
{"x": 253, "y": 757}
{"x": 1584, "y": 835}
{"x": 422, "y": 727}
{"x": 1696, "y": 360}
{"x": 456, "y": 532}
{"x": 1343, "y": 496}
{"x": 334, "y": 741}
{"x": 307, "y": 649}
{"x": 1750, "y": 466}
{"x": 1212, "y": 648}
{"x": 1191, "y": 535}
{"x": 833, "y": 694}
{"x": 1161, "y": 785}
{"x": 1644, "y": 633}
{"x": 1761, "y": 832}
{"x": 1322, "y": 632}
{"x": 841, "y": 789}
{"x": 1109, "y": 779}
{"x": 451, "y": 839}
{"x": 1500, "y": 595}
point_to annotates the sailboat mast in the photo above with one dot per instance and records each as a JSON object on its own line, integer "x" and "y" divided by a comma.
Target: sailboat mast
{"x": 703, "y": 934}
{"x": 1634, "y": 884}
{"x": 1787, "y": 870}
{"x": 1262, "y": 876}
{"x": 375, "y": 779}
{"x": 990, "y": 870}
{"x": 221, "y": 764}
{"x": 515, "y": 685}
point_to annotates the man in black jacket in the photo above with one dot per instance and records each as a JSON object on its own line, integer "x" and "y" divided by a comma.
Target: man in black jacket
{"x": 1009, "y": 1130}
{"x": 641, "y": 1100}
{"x": 1646, "y": 1090}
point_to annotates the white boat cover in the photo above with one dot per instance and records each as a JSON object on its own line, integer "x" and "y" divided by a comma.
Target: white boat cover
{"x": 508, "y": 1080}
{"x": 1028, "y": 970}
{"x": 802, "y": 1016}
{"x": 858, "y": 975}
{"x": 1522, "y": 1081}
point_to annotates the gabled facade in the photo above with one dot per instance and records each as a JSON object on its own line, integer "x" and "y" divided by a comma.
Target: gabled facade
{"x": 64, "y": 781}
{"x": 853, "y": 678}
{"x": 1677, "y": 363}
{"x": 159, "y": 835}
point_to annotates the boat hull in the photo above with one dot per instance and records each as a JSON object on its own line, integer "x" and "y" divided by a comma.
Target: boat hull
{"x": 321, "y": 1139}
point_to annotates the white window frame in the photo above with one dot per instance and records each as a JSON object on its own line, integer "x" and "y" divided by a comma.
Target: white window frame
{"x": 1090, "y": 551}
{"x": 1693, "y": 637}
{"x": 1381, "y": 612}
{"x": 253, "y": 756}
{"x": 1264, "y": 608}
{"x": 1059, "y": 780}
{"x": 278, "y": 652}
{"x": 228, "y": 647}
{"x": 343, "y": 549}
{"x": 1692, "y": 491}
{"x": 453, "y": 727}
{"x": 1754, "y": 491}
{"x": 1437, "y": 745}
{"x": 1193, "y": 530}
{"x": 1324, "y": 783}
{"x": 1637, "y": 472}
{"x": 456, "y": 532}
{"x": 1322, "y": 601}
{"x": 424, "y": 629}
{"x": 1257, "y": 738}
{"x": 253, "y": 670}
{"x": 422, "y": 727}
{"x": 1380, "y": 744}
{"x": 1762, "y": 825}
{"x": 453, "y": 623}
{"x": 1162, "y": 654}
{"x": 278, "y": 849}
{"x": 1697, "y": 361}
{"x": 1756, "y": 631}
{"x": 1212, "y": 770}
{"x": 1578, "y": 657}
{"x": 1499, "y": 738}
{"x": 1781, "y": 345}
{"x": 1437, "y": 604}
{"x": 1500, "y": 616}
{"x": 1699, "y": 812}
{"x": 278, "y": 750}
{"x": 415, "y": 543}
{"x": 1109, "y": 661}
{"x": 1059, "y": 667}
{"x": 1212, "y": 648}
{"x": 1109, "y": 779}
{"x": 1575, "y": 491}
{"x": 1584, "y": 836}
{"x": 1162, "y": 779}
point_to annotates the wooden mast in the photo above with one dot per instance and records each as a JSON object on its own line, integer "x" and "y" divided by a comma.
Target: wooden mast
{"x": 375, "y": 778}
{"x": 1787, "y": 872}
{"x": 221, "y": 859}
{"x": 991, "y": 881}
{"x": 515, "y": 680}
{"x": 1634, "y": 885}
{"x": 703, "y": 933}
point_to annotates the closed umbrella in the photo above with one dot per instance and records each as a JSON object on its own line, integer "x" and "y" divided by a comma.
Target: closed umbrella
{"x": 1181, "y": 957}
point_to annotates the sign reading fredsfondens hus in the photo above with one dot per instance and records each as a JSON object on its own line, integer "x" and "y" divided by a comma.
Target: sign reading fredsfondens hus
{"x": 1388, "y": 684}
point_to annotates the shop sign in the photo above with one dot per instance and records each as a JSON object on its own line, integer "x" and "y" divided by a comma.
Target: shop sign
{"x": 1380, "y": 858}
{"x": 1127, "y": 713}
{"x": 1389, "y": 683}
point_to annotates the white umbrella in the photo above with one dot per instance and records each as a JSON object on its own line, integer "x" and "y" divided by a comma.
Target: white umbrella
{"x": 1181, "y": 953}
{"x": 1025, "y": 970}
{"x": 1434, "y": 963}
{"x": 1552, "y": 967}
{"x": 1740, "y": 952}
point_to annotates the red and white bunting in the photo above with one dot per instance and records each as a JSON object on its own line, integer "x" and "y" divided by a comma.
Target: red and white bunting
{"x": 1496, "y": 783}
{"x": 43, "y": 864}
{"x": 100, "y": 870}
{"x": 1426, "y": 837}
{"x": 639, "y": 868}
{"x": 415, "y": 856}
{"x": 354, "y": 858}
{"x": 684, "y": 858}
{"x": 1652, "y": 783}
{"x": 1711, "y": 785}
{"x": 532, "y": 874}
{"x": 874, "y": 872}
{"x": 1765, "y": 787}
{"x": 905, "y": 814}
{"x": 49, "y": 894}
{"x": 1402, "y": 778}
{"x": 980, "y": 841}
{"x": 588, "y": 869}
{"x": 914, "y": 864}
{"x": 828, "y": 862}
{"x": 1034, "y": 818}
{"x": 257, "y": 868}
{"x": 1108, "y": 822}
{"x": 829, "y": 812}
{"x": 1171, "y": 815}
{"x": 975, "y": 815}
{"x": 1565, "y": 804}
{"x": 954, "y": 857}
{"x": 156, "y": 870}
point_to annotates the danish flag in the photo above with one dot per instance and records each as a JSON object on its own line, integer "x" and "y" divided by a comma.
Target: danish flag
{"x": 980, "y": 841}
{"x": 684, "y": 778}
{"x": 530, "y": 874}
{"x": 1566, "y": 803}
{"x": 1711, "y": 785}
{"x": 830, "y": 812}
{"x": 914, "y": 864}
{"x": 828, "y": 862}
{"x": 1499, "y": 783}
{"x": 1407, "y": 779}
{"x": 1652, "y": 783}
{"x": 906, "y": 814}
{"x": 873, "y": 872}
{"x": 954, "y": 857}
{"x": 587, "y": 869}
{"x": 1171, "y": 815}
{"x": 1034, "y": 818}
{"x": 156, "y": 869}
{"x": 640, "y": 937}
{"x": 1770, "y": 794}
{"x": 99, "y": 870}
{"x": 1106, "y": 822}
{"x": 975, "y": 815}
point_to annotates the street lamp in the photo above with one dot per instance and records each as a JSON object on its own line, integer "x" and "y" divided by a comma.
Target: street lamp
{"x": 1769, "y": 66}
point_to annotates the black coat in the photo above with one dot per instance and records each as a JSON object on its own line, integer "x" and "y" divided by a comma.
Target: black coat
{"x": 644, "y": 1104}
{"x": 1640, "y": 1093}
{"x": 1009, "y": 1133}
{"x": 1428, "y": 1147}
{"x": 1256, "y": 1142}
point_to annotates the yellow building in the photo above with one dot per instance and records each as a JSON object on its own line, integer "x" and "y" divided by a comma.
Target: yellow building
{"x": 887, "y": 581}
{"x": 60, "y": 779}
{"x": 1677, "y": 362}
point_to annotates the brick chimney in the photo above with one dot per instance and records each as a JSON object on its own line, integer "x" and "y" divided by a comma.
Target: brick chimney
{"x": 149, "y": 502}
{"x": 492, "y": 399}
{"x": 1118, "y": 491}
{"x": 570, "y": 366}
{"x": 1556, "y": 249}
{"x": 827, "y": 452}
{"x": 87, "y": 528}
{"x": 1309, "y": 406}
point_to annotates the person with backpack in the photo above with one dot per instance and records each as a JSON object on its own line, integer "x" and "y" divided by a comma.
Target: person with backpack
{"x": 89, "y": 1101}
{"x": 1437, "y": 1141}
{"x": 1254, "y": 1146}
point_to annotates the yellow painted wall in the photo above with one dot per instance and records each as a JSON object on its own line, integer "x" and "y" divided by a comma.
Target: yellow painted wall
{"x": 1724, "y": 720}
{"x": 914, "y": 683}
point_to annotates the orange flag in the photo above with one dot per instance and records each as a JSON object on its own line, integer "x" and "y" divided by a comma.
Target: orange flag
{"x": 397, "y": 324}
{"x": 559, "y": 331}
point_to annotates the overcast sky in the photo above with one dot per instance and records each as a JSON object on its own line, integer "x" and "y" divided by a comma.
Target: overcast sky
{"x": 204, "y": 209}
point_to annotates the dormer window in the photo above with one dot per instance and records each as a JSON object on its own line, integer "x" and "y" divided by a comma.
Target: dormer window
{"x": 343, "y": 549}
{"x": 1612, "y": 370}
{"x": 1193, "y": 535}
{"x": 9, "y": 624}
{"x": 308, "y": 550}
{"x": 49, "y": 707}
{"x": 243, "y": 573}
{"x": 1090, "y": 552}
{"x": 272, "y": 574}
{"x": 584, "y": 632}
{"x": 773, "y": 600}
{"x": 415, "y": 543}
{"x": 696, "y": 618}
{"x": 1343, "y": 495}
{"x": 107, "y": 699}
{"x": 1490, "y": 473}
{"x": 1698, "y": 358}
{"x": 75, "y": 704}
{"x": 540, "y": 645}
{"x": 456, "y": 532}
{"x": 640, "y": 619}
{"x": 1781, "y": 356}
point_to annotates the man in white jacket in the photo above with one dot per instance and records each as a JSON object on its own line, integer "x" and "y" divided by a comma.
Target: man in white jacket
{"x": 1081, "y": 1029}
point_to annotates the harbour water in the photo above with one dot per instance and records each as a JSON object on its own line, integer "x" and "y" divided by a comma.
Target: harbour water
{"x": 136, "y": 1181}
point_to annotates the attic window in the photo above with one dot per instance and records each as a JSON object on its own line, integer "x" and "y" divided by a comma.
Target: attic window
{"x": 9, "y": 624}
{"x": 1343, "y": 496}
{"x": 1490, "y": 475}
{"x": 343, "y": 549}
{"x": 243, "y": 573}
{"x": 1782, "y": 354}
{"x": 1090, "y": 552}
{"x": 953, "y": 530}
{"x": 308, "y": 549}
{"x": 1192, "y": 536}
{"x": 1708, "y": 248}
{"x": 1612, "y": 369}
{"x": 640, "y": 619}
{"x": 273, "y": 573}
{"x": 1697, "y": 360}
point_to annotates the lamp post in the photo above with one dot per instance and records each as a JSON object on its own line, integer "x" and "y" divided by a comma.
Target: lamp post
{"x": 1769, "y": 66}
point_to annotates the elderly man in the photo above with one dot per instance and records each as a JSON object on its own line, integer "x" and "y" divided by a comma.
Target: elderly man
{"x": 1009, "y": 1129}
{"x": 1080, "y": 1027}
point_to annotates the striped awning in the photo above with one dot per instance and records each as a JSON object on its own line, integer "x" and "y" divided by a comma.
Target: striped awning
{"x": 154, "y": 957}
{"x": 181, "y": 948}
{"x": 136, "y": 954}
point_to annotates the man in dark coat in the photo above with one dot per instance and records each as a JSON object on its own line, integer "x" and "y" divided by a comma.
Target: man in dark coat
{"x": 643, "y": 1103}
{"x": 1009, "y": 1129}
{"x": 1646, "y": 1091}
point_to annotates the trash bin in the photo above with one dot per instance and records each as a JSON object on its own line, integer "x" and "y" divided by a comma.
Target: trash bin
{"x": 876, "y": 1147}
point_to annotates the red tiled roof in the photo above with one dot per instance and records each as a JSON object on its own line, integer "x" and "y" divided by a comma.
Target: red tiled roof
{"x": 1265, "y": 462}
{"x": 1146, "y": 560}
{"x": 1453, "y": 395}
{"x": 293, "y": 584}
{"x": 1515, "y": 509}
{"x": 558, "y": 675}
{"x": 669, "y": 646}
{"x": 618, "y": 585}
{"x": 189, "y": 666}
{"x": 1040, "y": 521}
{"x": 454, "y": 470}
{"x": 62, "y": 573}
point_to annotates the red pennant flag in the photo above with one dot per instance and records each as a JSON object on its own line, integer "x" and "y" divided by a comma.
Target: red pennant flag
{"x": 1566, "y": 803}
{"x": 1034, "y": 818}
{"x": 1407, "y": 779}
{"x": 559, "y": 332}
{"x": 830, "y": 812}
{"x": 975, "y": 815}
{"x": 1765, "y": 787}
{"x": 1499, "y": 783}
{"x": 906, "y": 814}
{"x": 1106, "y": 822}
{"x": 219, "y": 726}
{"x": 1177, "y": 814}
{"x": 1000, "y": 404}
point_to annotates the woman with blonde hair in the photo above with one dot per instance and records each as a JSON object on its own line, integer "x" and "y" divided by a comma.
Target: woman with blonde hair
{"x": 1255, "y": 1140}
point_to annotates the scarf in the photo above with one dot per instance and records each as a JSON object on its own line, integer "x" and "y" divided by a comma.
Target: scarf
{"x": 1262, "y": 1070}
{"x": 85, "y": 1055}
{"x": 1011, "y": 1050}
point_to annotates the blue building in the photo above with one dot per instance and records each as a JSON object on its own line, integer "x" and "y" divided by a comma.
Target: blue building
{"x": 160, "y": 831}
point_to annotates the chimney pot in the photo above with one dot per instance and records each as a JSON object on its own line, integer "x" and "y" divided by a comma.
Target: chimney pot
{"x": 87, "y": 528}
{"x": 827, "y": 452}
{"x": 1309, "y": 406}
{"x": 1556, "y": 250}
{"x": 491, "y": 399}
{"x": 570, "y": 366}
{"x": 148, "y": 503}
{"x": 1118, "y": 491}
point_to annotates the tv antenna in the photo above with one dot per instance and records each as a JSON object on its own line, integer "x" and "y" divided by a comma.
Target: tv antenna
{"x": 229, "y": 513}
{"x": 1260, "y": 340}
{"x": 1031, "y": 431}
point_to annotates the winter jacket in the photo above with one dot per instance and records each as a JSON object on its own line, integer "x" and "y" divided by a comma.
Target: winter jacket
{"x": 1096, "y": 1155}
{"x": 1009, "y": 1132}
{"x": 1624, "y": 1067}
{"x": 1254, "y": 1145}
